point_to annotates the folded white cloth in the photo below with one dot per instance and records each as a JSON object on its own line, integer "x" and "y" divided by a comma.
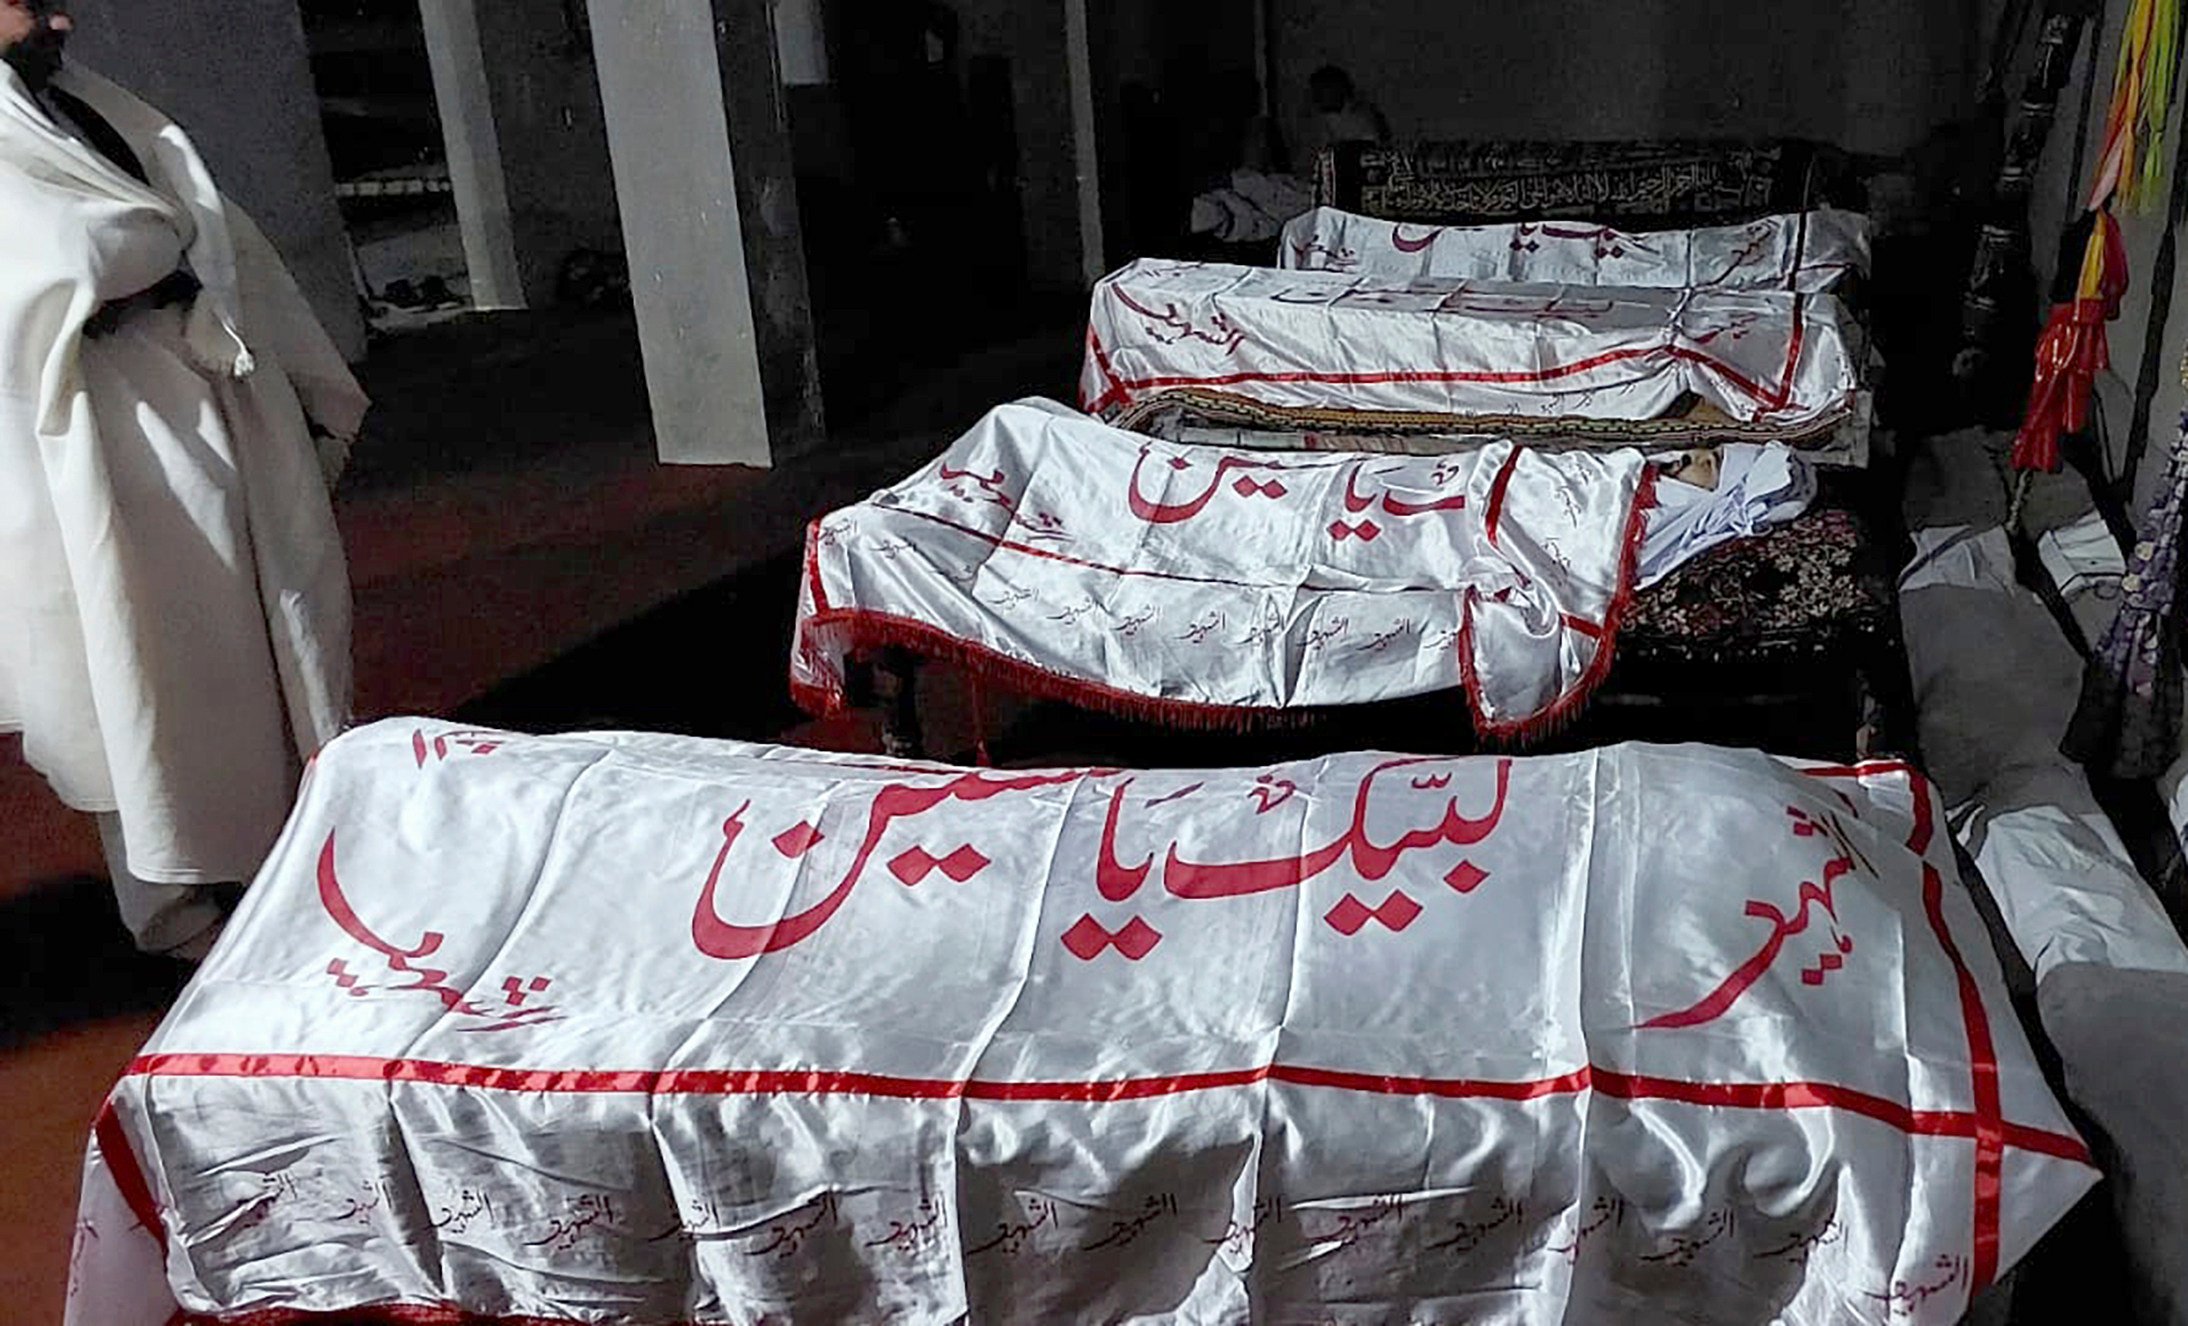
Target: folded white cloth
{"x": 1813, "y": 252}
{"x": 1251, "y": 208}
{"x": 1758, "y": 488}
{"x": 1996, "y": 683}
{"x": 2084, "y": 562}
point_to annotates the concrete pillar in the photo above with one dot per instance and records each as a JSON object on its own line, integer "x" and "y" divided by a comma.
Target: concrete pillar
{"x": 801, "y": 42}
{"x": 527, "y": 150}
{"x": 701, "y": 148}
{"x": 1085, "y": 130}
{"x": 1033, "y": 38}
{"x": 464, "y": 96}
{"x": 237, "y": 75}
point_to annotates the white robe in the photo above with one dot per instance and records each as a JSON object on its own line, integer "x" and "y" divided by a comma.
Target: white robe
{"x": 174, "y": 605}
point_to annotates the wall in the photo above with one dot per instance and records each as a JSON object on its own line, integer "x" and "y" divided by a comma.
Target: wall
{"x": 2059, "y": 200}
{"x": 1869, "y": 75}
{"x": 1030, "y": 34}
{"x": 2060, "y": 195}
{"x": 1182, "y": 58}
{"x": 236, "y": 75}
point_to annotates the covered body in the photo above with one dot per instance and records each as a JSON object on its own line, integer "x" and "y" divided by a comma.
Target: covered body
{"x": 1815, "y": 252}
{"x": 1456, "y": 349}
{"x": 1192, "y": 582}
{"x": 627, "y": 1028}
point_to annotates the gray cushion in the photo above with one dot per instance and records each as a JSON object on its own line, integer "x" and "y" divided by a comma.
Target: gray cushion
{"x": 2122, "y": 1037}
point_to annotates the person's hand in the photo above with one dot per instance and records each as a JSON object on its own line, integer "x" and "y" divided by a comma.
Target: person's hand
{"x": 105, "y": 320}
{"x": 333, "y": 453}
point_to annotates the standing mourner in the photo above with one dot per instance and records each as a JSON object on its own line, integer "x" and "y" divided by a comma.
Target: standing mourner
{"x": 174, "y": 605}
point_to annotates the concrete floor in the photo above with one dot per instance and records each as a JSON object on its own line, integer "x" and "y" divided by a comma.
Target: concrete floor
{"x": 504, "y": 509}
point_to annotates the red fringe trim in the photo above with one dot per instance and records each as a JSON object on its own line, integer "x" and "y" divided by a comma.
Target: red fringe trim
{"x": 868, "y": 632}
{"x": 1561, "y": 713}
{"x": 391, "y": 1314}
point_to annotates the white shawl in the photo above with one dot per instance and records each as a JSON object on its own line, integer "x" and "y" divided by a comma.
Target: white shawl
{"x": 130, "y": 482}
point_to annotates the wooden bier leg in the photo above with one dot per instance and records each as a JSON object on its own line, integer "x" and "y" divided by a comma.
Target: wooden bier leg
{"x": 896, "y": 688}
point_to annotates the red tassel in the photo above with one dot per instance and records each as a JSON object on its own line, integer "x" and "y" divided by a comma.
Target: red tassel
{"x": 2037, "y": 445}
{"x": 2071, "y": 353}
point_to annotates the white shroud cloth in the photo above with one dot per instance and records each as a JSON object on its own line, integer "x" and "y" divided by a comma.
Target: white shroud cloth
{"x": 1758, "y": 488}
{"x": 1813, "y": 253}
{"x": 1190, "y": 582}
{"x": 1332, "y": 342}
{"x": 648, "y": 1029}
{"x": 173, "y": 588}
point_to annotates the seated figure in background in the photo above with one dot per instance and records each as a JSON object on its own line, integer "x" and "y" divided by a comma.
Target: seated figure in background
{"x": 1340, "y": 114}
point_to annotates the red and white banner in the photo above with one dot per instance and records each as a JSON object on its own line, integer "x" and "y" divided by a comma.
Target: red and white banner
{"x": 637, "y": 1028}
{"x": 1812, "y": 253}
{"x": 1332, "y": 342}
{"x": 1188, "y": 583}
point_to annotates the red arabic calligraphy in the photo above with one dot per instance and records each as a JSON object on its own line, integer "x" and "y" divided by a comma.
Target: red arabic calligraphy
{"x": 1118, "y": 882}
{"x": 1816, "y": 899}
{"x": 1315, "y": 256}
{"x": 427, "y": 980}
{"x": 1088, "y": 939}
{"x": 1607, "y": 243}
{"x": 1468, "y": 1235}
{"x": 1352, "y": 1227}
{"x": 1126, "y": 1231}
{"x": 1683, "y": 1249}
{"x": 475, "y": 743}
{"x": 1372, "y": 861}
{"x": 909, "y": 1236}
{"x": 895, "y": 803}
{"x": 986, "y": 488}
{"x": 1178, "y": 795}
{"x": 1605, "y": 1212}
{"x": 1405, "y": 243}
{"x": 1170, "y": 326}
{"x": 1759, "y": 237}
{"x": 1170, "y": 513}
{"x": 1356, "y": 502}
{"x": 1903, "y": 1299}
{"x": 1270, "y": 791}
{"x": 1737, "y": 324}
{"x": 1011, "y": 1236}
